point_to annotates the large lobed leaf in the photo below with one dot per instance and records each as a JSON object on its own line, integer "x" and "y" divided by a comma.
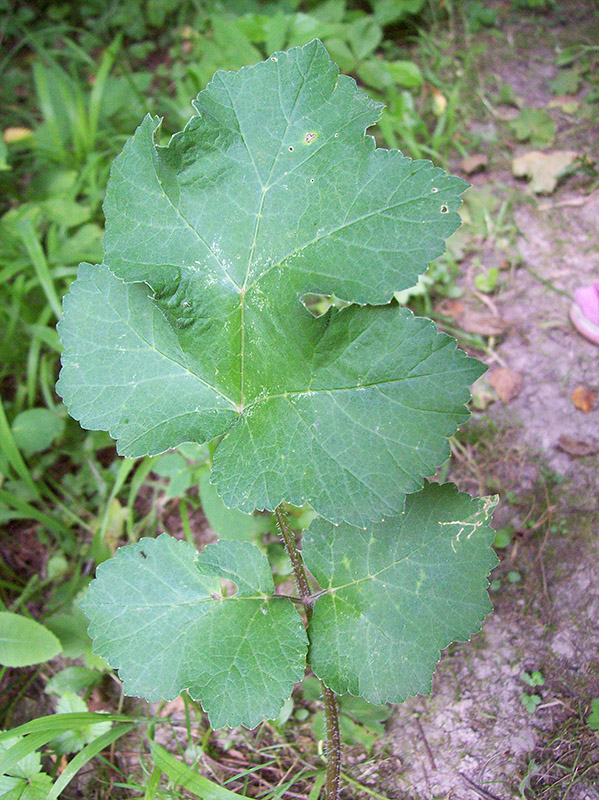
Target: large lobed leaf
{"x": 272, "y": 192}
{"x": 159, "y": 615}
{"x": 392, "y": 598}
{"x": 398, "y": 593}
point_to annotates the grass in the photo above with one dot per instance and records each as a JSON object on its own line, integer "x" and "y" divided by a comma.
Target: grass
{"x": 569, "y": 759}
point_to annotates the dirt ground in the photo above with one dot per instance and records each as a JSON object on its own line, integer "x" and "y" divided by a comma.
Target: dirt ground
{"x": 474, "y": 737}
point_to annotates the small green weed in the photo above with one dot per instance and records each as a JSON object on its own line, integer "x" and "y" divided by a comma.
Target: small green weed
{"x": 593, "y": 718}
{"x": 535, "y": 126}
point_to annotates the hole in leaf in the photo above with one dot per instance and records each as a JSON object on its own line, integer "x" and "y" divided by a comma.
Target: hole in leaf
{"x": 291, "y": 148}
{"x": 319, "y": 304}
{"x": 227, "y": 588}
{"x": 444, "y": 209}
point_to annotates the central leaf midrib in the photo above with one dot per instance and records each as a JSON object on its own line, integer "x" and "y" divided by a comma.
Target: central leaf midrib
{"x": 198, "y": 601}
{"x": 356, "y": 387}
{"x": 264, "y": 189}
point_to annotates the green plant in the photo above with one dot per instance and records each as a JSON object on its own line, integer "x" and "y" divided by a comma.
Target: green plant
{"x": 532, "y": 679}
{"x": 534, "y": 125}
{"x": 71, "y": 115}
{"x": 194, "y": 329}
{"x": 593, "y": 718}
{"x": 487, "y": 281}
{"x": 24, "y": 641}
{"x": 530, "y": 702}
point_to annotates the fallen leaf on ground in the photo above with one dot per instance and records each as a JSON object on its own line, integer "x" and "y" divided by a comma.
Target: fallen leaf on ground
{"x": 96, "y": 702}
{"x": 543, "y": 169}
{"x": 566, "y": 102}
{"x": 451, "y": 308}
{"x": 11, "y": 135}
{"x": 583, "y": 398}
{"x": 474, "y": 163}
{"x": 470, "y": 321}
{"x": 176, "y": 706}
{"x": 439, "y": 102}
{"x": 507, "y": 383}
{"x": 482, "y": 323}
{"x": 576, "y": 447}
{"x": 482, "y": 393}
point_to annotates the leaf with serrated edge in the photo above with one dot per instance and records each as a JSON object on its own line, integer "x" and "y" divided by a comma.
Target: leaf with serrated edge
{"x": 398, "y": 593}
{"x": 272, "y": 192}
{"x": 158, "y": 615}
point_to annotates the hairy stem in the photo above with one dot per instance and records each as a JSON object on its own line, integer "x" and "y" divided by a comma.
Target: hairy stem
{"x": 301, "y": 579}
{"x": 331, "y": 710}
{"x": 331, "y": 713}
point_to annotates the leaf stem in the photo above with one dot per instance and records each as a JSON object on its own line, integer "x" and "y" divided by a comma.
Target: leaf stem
{"x": 331, "y": 710}
{"x": 301, "y": 579}
{"x": 331, "y": 713}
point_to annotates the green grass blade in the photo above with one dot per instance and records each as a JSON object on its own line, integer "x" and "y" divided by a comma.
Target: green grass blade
{"x": 13, "y": 454}
{"x": 40, "y": 334}
{"x": 38, "y": 259}
{"x": 24, "y": 747}
{"x": 97, "y": 92}
{"x": 31, "y": 512}
{"x": 363, "y": 788}
{"x": 185, "y": 777}
{"x": 127, "y": 464}
{"x": 153, "y": 783}
{"x": 49, "y": 111}
{"x": 56, "y": 724}
{"x": 88, "y": 752}
{"x": 317, "y": 786}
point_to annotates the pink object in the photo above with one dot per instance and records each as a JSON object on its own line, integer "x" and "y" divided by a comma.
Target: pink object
{"x": 584, "y": 312}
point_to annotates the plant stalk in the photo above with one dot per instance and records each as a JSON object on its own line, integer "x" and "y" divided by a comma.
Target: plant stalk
{"x": 331, "y": 710}
{"x": 331, "y": 715}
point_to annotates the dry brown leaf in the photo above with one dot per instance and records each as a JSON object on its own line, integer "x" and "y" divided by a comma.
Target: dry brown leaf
{"x": 474, "y": 163}
{"x": 583, "y": 398}
{"x": 507, "y": 383}
{"x": 96, "y": 702}
{"x": 451, "y": 308}
{"x": 543, "y": 169}
{"x": 482, "y": 393}
{"x": 176, "y": 706}
{"x": 11, "y": 135}
{"x": 576, "y": 447}
{"x": 439, "y": 101}
{"x": 482, "y": 323}
{"x": 62, "y": 765}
